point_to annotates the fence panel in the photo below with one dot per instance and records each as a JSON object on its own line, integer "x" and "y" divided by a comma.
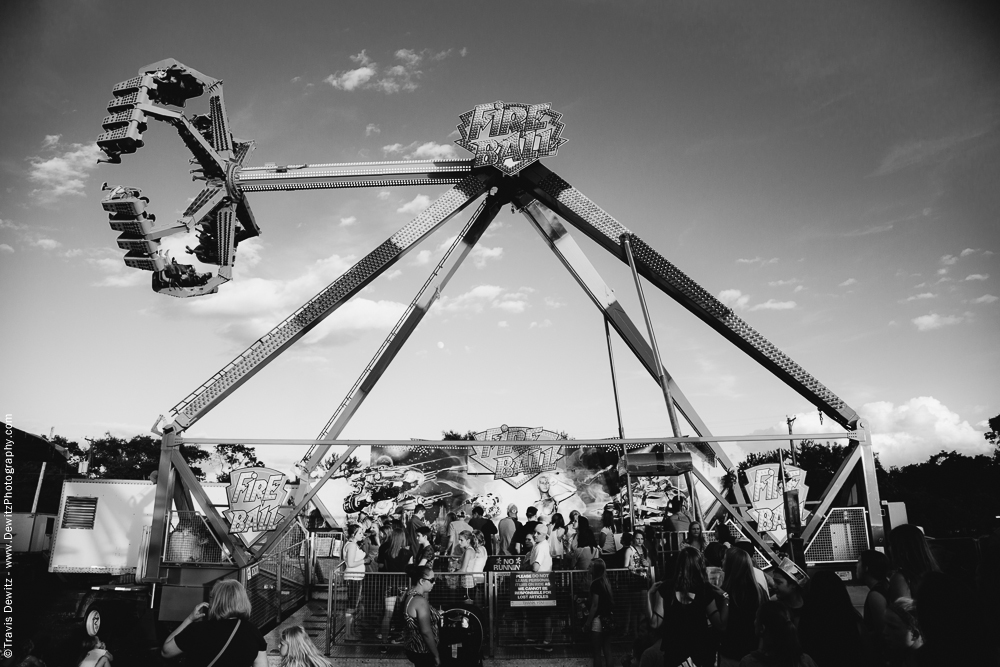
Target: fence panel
{"x": 278, "y": 583}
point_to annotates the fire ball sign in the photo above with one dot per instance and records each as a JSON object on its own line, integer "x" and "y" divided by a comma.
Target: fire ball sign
{"x": 510, "y": 136}
{"x": 766, "y": 491}
{"x": 255, "y": 503}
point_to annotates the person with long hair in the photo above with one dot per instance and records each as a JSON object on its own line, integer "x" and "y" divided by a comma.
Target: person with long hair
{"x": 571, "y": 529}
{"x": 830, "y": 626}
{"x": 396, "y": 556}
{"x": 473, "y": 559}
{"x": 221, "y": 627}
{"x": 911, "y": 558}
{"x": 901, "y": 633}
{"x": 779, "y": 642}
{"x": 297, "y": 650}
{"x": 420, "y": 636}
{"x": 586, "y": 549}
{"x": 740, "y": 613}
{"x": 599, "y": 618}
{"x": 353, "y": 556}
{"x": 609, "y": 543}
{"x": 695, "y": 536}
{"x": 557, "y": 540}
{"x": 690, "y": 612}
{"x": 91, "y": 651}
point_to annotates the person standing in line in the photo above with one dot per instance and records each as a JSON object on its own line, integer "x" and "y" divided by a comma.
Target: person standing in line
{"x": 599, "y": 619}
{"x": 523, "y": 539}
{"x": 509, "y": 526}
{"x": 415, "y": 522}
{"x": 609, "y": 545}
{"x": 739, "y": 615}
{"x": 557, "y": 542}
{"x": 677, "y": 519}
{"x": 571, "y": 529}
{"x": 539, "y": 559}
{"x": 586, "y": 550}
{"x": 486, "y": 527}
{"x": 424, "y": 554}
{"x": 456, "y": 526}
{"x": 912, "y": 559}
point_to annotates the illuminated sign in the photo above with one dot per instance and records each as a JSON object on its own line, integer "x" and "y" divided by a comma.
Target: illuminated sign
{"x": 510, "y": 136}
{"x": 255, "y": 497}
{"x": 766, "y": 497}
{"x": 516, "y": 464}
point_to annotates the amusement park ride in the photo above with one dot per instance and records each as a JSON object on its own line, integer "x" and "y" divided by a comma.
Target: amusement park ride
{"x": 507, "y": 141}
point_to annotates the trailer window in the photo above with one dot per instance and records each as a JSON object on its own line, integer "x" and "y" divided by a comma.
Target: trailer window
{"x": 79, "y": 512}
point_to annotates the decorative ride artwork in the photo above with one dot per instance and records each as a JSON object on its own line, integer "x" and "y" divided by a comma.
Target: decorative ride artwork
{"x": 510, "y": 136}
{"x": 765, "y": 489}
{"x": 516, "y": 465}
{"x": 255, "y": 503}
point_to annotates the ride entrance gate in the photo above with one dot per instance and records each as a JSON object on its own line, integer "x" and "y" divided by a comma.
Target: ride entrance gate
{"x": 506, "y": 140}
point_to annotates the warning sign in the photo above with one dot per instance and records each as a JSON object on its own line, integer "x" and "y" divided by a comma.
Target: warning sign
{"x": 532, "y": 589}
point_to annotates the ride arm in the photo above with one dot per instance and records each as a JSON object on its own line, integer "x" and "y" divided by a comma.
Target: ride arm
{"x": 314, "y": 311}
{"x": 589, "y": 218}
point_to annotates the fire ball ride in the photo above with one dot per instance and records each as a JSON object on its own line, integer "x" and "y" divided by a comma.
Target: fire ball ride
{"x": 506, "y": 141}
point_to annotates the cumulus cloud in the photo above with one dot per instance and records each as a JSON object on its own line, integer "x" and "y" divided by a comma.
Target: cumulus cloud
{"x": 348, "y": 221}
{"x": 116, "y": 274}
{"x": 758, "y": 260}
{"x": 848, "y": 282}
{"x": 771, "y": 304}
{"x": 384, "y": 194}
{"x": 978, "y": 276}
{"x": 967, "y": 252}
{"x": 481, "y": 297}
{"x": 403, "y": 75}
{"x": 415, "y": 205}
{"x": 63, "y": 172}
{"x": 371, "y": 129}
{"x": 737, "y": 300}
{"x": 428, "y": 150}
{"x": 919, "y": 297}
{"x": 782, "y": 283}
{"x": 915, "y": 153}
{"x": 5, "y": 248}
{"x": 481, "y": 254}
{"x": 553, "y": 303}
{"x": 502, "y": 324}
{"x": 353, "y": 319}
{"x": 544, "y": 324}
{"x": 734, "y": 298}
{"x": 45, "y": 244}
{"x": 948, "y": 260}
{"x": 933, "y": 321}
{"x": 392, "y": 275}
{"x": 422, "y": 258}
{"x": 919, "y": 428}
{"x": 986, "y": 298}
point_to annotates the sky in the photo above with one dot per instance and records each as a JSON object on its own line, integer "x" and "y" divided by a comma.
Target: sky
{"x": 828, "y": 170}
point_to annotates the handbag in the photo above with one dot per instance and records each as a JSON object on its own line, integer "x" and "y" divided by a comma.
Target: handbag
{"x": 226, "y": 645}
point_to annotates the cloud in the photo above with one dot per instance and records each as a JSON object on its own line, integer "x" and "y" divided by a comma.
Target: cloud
{"x": 480, "y": 297}
{"x": 415, "y": 205}
{"x": 371, "y": 129}
{"x": 502, "y": 324}
{"x": 986, "y": 298}
{"x": 481, "y": 254}
{"x": 919, "y": 297}
{"x": 354, "y": 318}
{"x": 544, "y": 324}
{"x": 978, "y": 276}
{"x": 782, "y": 283}
{"x": 7, "y": 224}
{"x": 553, "y": 303}
{"x": 758, "y": 260}
{"x": 771, "y": 304}
{"x": 392, "y": 275}
{"x": 948, "y": 260}
{"x": 45, "y": 244}
{"x": 116, "y": 273}
{"x": 798, "y": 288}
{"x": 933, "y": 321}
{"x": 734, "y": 298}
{"x": 422, "y": 258}
{"x": 354, "y": 78}
{"x": 63, "y": 174}
{"x": 915, "y": 153}
{"x": 348, "y": 221}
{"x": 737, "y": 300}
{"x": 403, "y": 75}
{"x": 919, "y": 428}
{"x": 428, "y": 150}
{"x": 848, "y": 282}
{"x": 384, "y": 194}
{"x": 5, "y": 248}
{"x": 967, "y": 252}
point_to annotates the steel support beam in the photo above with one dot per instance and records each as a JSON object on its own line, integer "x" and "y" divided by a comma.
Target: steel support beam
{"x": 832, "y": 489}
{"x": 750, "y": 532}
{"x": 161, "y": 507}
{"x": 215, "y": 519}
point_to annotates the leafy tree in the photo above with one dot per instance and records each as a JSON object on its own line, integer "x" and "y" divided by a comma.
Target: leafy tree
{"x": 116, "y": 458}
{"x": 234, "y": 457}
{"x": 455, "y": 435}
{"x": 993, "y": 435}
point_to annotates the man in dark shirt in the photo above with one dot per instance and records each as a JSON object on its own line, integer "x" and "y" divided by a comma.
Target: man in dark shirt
{"x": 486, "y": 527}
{"x": 525, "y": 533}
{"x": 416, "y": 521}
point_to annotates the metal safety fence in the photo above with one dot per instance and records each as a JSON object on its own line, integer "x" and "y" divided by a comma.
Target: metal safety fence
{"x": 519, "y": 611}
{"x": 278, "y": 584}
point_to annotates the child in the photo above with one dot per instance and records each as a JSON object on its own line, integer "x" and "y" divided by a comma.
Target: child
{"x": 93, "y": 653}
{"x": 297, "y": 650}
